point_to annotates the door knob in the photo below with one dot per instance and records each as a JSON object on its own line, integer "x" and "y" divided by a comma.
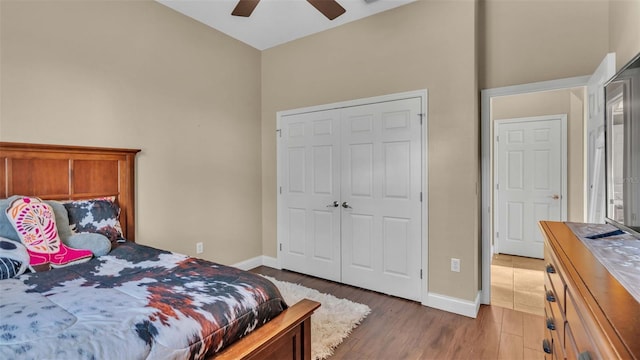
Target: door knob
{"x": 334, "y": 204}
{"x": 346, "y": 205}
{"x": 555, "y": 196}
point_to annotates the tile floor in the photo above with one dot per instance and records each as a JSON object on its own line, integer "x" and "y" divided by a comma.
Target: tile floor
{"x": 518, "y": 283}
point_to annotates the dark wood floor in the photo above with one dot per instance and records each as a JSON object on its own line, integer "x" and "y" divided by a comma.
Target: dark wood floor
{"x": 402, "y": 329}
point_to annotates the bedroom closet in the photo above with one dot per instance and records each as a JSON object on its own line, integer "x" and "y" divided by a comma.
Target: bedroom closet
{"x": 351, "y": 199}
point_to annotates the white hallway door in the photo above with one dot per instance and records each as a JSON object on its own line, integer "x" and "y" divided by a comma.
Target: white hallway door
{"x": 350, "y": 203}
{"x": 530, "y": 181}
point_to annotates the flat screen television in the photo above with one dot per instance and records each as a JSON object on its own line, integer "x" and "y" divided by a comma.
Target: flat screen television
{"x": 622, "y": 148}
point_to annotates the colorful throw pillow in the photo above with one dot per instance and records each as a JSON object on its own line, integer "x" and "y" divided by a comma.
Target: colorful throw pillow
{"x": 35, "y": 224}
{"x": 62, "y": 219}
{"x": 14, "y": 258}
{"x": 95, "y": 216}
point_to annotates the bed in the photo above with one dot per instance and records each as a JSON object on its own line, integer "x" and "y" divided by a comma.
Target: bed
{"x": 134, "y": 301}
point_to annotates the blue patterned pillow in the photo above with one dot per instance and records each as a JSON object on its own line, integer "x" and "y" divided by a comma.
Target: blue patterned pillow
{"x": 14, "y": 258}
{"x": 95, "y": 216}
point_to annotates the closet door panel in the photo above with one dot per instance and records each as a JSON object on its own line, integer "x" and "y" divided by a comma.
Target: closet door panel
{"x": 310, "y": 170}
{"x": 381, "y": 180}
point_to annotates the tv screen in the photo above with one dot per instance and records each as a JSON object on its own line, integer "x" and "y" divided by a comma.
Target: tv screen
{"x": 622, "y": 147}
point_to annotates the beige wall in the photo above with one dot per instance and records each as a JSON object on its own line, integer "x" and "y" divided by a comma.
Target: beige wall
{"x": 136, "y": 74}
{"x": 569, "y": 102}
{"x": 624, "y": 30}
{"x": 527, "y": 41}
{"x": 428, "y": 44}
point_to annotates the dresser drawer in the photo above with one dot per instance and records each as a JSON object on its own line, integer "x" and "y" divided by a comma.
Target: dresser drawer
{"x": 554, "y": 324}
{"x": 579, "y": 329}
{"x": 571, "y": 349}
{"x": 547, "y": 344}
{"x": 558, "y": 351}
{"x": 552, "y": 349}
{"x": 554, "y": 277}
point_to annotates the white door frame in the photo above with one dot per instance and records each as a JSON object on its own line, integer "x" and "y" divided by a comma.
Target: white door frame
{"x": 596, "y": 108}
{"x": 486, "y": 130}
{"x": 563, "y": 150}
{"x": 423, "y": 95}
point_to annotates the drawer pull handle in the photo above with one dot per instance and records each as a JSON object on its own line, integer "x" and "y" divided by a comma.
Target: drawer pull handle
{"x": 584, "y": 356}
{"x": 551, "y": 325}
{"x": 546, "y": 346}
{"x": 551, "y": 269}
{"x": 550, "y": 296}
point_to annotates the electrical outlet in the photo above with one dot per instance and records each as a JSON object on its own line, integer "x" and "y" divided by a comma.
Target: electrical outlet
{"x": 199, "y": 248}
{"x": 455, "y": 265}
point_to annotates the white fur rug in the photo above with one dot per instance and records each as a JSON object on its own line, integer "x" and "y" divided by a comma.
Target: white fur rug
{"x": 331, "y": 323}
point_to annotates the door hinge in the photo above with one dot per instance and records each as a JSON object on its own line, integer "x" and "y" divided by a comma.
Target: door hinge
{"x": 498, "y": 138}
{"x": 279, "y": 131}
{"x": 420, "y": 273}
{"x": 497, "y": 234}
{"x": 420, "y": 196}
{"x": 280, "y": 190}
{"x": 280, "y": 246}
{"x": 497, "y": 186}
{"x": 421, "y": 115}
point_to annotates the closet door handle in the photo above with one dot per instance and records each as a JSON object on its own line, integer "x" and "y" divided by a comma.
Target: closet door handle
{"x": 346, "y": 205}
{"x": 334, "y": 204}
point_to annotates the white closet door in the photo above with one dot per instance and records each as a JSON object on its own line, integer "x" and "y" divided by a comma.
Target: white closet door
{"x": 381, "y": 205}
{"x": 310, "y": 184}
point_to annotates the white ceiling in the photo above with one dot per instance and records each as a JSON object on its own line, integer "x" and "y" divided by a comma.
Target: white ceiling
{"x": 275, "y": 22}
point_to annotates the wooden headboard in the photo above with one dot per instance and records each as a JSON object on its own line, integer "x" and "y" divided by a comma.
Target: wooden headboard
{"x": 58, "y": 172}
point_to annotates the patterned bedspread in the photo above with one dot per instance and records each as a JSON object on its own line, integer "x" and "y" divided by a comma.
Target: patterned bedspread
{"x": 135, "y": 303}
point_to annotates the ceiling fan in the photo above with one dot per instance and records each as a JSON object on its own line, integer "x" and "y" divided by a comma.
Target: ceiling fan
{"x": 329, "y": 8}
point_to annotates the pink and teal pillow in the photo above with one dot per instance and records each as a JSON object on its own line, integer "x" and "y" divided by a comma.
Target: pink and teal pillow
{"x": 62, "y": 219}
{"x": 34, "y": 222}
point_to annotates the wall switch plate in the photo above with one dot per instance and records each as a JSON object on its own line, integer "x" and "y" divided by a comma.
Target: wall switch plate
{"x": 199, "y": 248}
{"x": 455, "y": 265}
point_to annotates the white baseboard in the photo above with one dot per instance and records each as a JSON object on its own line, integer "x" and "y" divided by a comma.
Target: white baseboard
{"x": 454, "y": 305}
{"x": 442, "y": 302}
{"x": 257, "y": 261}
{"x": 271, "y": 262}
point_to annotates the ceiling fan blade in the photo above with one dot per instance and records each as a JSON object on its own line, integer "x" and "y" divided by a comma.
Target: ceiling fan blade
{"x": 329, "y": 8}
{"x": 245, "y": 8}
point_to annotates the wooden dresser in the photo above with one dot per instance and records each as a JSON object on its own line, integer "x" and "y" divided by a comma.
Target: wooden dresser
{"x": 589, "y": 314}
